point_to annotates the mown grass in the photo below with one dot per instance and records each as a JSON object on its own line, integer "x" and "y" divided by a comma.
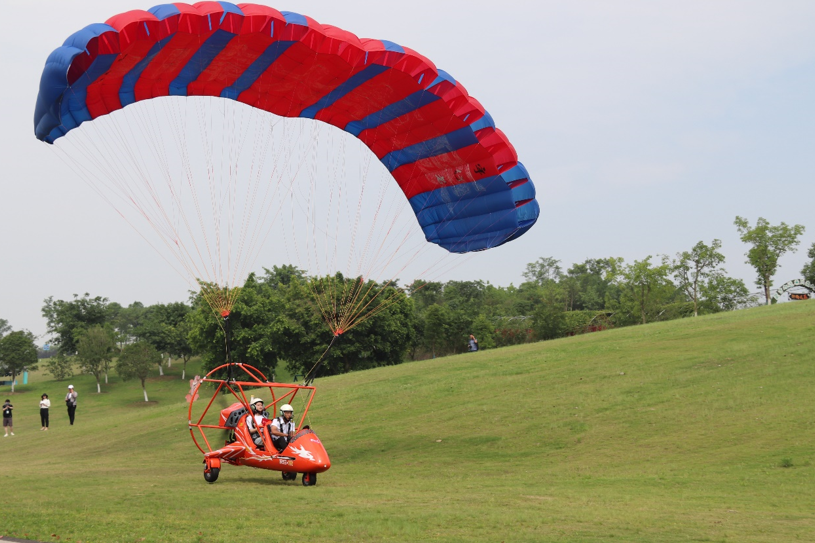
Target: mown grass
{"x": 692, "y": 430}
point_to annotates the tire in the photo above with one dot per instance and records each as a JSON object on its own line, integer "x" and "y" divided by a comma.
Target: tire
{"x": 309, "y": 479}
{"x": 212, "y": 475}
{"x": 288, "y": 476}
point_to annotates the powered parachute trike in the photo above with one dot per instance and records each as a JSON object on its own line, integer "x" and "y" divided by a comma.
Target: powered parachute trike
{"x": 226, "y": 439}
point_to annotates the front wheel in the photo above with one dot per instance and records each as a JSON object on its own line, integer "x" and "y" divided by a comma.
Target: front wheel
{"x": 309, "y": 479}
{"x": 289, "y": 476}
{"x": 212, "y": 475}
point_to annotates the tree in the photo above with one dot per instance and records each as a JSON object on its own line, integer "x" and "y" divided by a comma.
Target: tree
{"x": 160, "y": 327}
{"x": 645, "y": 286}
{"x": 543, "y": 270}
{"x": 436, "y": 327}
{"x": 722, "y": 293}
{"x": 592, "y": 281}
{"x": 692, "y": 268}
{"x": 181, "y": 346}
{"x": 426, "y": 293}
{"x": 282, "y": 276}
{"x": 68, "y": 319}
{"x": 95, "y": 351}
{"x": 5, "y": 327}
{"x": 467, "y": 296}
{"x": 769, "y": 244}
{"x": 548, "y": 318}
{"x": 808, "y": 270}
{"x": 135, "y": 363}
{"x": 60, "y": 367}
{"x": 17, "y": 354}
{"x": 127, "y": 321}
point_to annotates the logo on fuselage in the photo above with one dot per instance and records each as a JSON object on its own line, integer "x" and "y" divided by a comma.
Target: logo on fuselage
{"x": 303, "y": 453}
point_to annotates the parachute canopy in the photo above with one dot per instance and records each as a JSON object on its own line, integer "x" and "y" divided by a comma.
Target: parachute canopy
{"x": 459, "y": 172}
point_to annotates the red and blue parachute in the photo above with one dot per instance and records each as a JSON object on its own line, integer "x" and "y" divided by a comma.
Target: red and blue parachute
{"x": 459, "y": 172}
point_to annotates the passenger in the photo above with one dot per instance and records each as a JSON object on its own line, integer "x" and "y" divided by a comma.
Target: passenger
{"x": 282, "y": 428}
{"x": 254, "y": 423}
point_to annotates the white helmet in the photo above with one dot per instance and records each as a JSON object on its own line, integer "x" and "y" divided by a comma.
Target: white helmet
{"x": 254, "y": 400}
{"x": 286, "y": 407}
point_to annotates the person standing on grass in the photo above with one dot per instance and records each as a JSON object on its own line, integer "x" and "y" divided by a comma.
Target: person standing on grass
{"x": 45, "y": 405}
{"x": 70, "y": 401}
{"x": 473, "y": 343}
{"x": 8, "y": 425}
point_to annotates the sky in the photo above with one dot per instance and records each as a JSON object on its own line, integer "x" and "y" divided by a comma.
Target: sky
{"x": 645, "y": 126}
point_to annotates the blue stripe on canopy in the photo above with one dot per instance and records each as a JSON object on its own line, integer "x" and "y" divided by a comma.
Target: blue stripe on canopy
{"x": 256, "y": 69}
{"x": 452, "y": 141}
{"x": 393, "y": 111}
{"x": 127, "y": 92}
{"x": 350, "y": 84}
{"x": 484, "y": 122}
{"x": 199, "y": 61}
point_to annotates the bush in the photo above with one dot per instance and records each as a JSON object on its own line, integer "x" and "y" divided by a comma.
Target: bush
{"x": 60, "y": 367}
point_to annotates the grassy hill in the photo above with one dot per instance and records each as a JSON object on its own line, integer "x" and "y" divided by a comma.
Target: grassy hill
{"x": 691, "y": 430}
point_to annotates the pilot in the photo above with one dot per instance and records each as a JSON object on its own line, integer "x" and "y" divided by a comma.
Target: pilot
{"x": 255, "y": 421}
{"x": 282, "y": 428}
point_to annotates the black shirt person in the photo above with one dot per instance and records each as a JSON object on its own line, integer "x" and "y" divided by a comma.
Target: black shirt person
{"x": 8, "y": 423}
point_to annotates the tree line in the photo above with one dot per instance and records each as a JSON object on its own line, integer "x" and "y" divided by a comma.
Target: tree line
{"x": 274, "y": 319}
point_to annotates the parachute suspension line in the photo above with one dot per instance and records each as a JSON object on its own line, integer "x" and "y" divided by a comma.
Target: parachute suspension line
{"x": 354, "y": 290}
{"x": 179, "y": 125}
{"x": 253, "y": 187}
{"x": 342, "y": 301}
{"x": 227, "y": 340}
{"x": 116, "y": 179}
{"x": 341, "y": 305}
{"x": 339, "y": 177}
{"x": 312, "y": 373}
{"x": 214, "y": 199}
{"x": 265, "y": 204}
{"x": 242, "y": 126}
{"x": 375, "y": 266}
{"x": 77, "y": 169}
{"x": 217, "y": 300}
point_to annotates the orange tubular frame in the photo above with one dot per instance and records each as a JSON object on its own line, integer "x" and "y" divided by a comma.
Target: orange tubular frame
{"x": 256, "y": 380}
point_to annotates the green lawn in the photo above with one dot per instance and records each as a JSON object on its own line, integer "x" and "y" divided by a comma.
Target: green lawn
{"x": 675, "y": 431}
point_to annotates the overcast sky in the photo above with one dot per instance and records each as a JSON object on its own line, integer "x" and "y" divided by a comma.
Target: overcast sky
{"x": 646, "y": 127}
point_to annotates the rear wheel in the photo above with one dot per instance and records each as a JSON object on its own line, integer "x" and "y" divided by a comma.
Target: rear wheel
{"x": 309, "y": 479}
{"x": 289, "y": 476}
{"x": 212, "y": 475}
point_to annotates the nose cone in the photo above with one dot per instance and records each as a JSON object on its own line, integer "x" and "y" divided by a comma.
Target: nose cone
{"x": 309, "y": 454}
